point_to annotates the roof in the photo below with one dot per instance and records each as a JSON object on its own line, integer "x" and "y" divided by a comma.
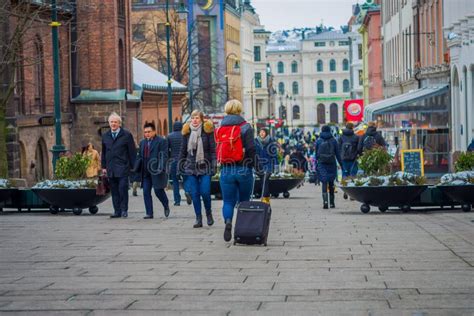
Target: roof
{"x": 148, "y": 78}
{"x": 283, "y": 46}
{"x": 399, "y": 101}
{"x": 331, "y": 35}
{"x": 87, "y": 95}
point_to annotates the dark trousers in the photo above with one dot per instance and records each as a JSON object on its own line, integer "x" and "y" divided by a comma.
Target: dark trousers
{"x": 119, "y": 189}
{"x": 327, "y": 184}
{"x": 175, "y": 179}
{"x": 160, "y": 194}
{"x": 266, "y": 184}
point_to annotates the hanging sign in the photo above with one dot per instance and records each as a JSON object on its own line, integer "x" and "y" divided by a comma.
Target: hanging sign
{"x": 354, "y": 110}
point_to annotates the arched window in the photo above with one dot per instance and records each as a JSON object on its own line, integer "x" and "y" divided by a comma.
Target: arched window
{"x": 333, "y": 113}
{"x": 320, "y": 86}
{"x": 320, "y": 66}
{"x": 321, "y": 111}
{"x": 295, "y": 89}
{"x": 332, "y": 65}
{"x": 333, "y": 86}
{"x": 281, "y": 88}
{"x": 294, "y": 67}
{"x": 281, "y": 67}
{"x": 42, "y": 160}
{"x": 296, "y": 112}
{"x": 345, "y": 65}
{"x": 345, "y": 86}
{"x": 39, "y": 74}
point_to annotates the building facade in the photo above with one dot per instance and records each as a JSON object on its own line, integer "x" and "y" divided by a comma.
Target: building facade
{"x": 311, "y": 78}
{"x": 355, "y": 54}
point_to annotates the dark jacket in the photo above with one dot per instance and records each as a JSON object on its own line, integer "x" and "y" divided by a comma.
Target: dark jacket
{"x": 118, "y": 156}
{"x": 250, "y": 155}
{"x": 371, "y": 131}
{"x": 187, "y": 164}
{"x": 348, "y": 136}
{"x": 175, "y": 139}
{"x": 470, "y": 148}
{"x": 155, "y": 165}
{"x": 327, "y": 172}
{"x": 267, "y": 154}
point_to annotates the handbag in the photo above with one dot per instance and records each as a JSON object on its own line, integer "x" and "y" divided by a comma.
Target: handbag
{"x": 103, "y": 186}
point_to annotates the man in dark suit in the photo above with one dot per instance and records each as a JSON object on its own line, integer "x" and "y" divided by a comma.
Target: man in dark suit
{"x": 151, "y": 165}
{"x": 118, "y": 158}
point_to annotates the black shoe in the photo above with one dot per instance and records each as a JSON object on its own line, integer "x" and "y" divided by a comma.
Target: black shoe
{"x": 134, "y": 193}
{"x": 189, "y": 199}
{"x": 115, "y": 216}
{"x": 167, "y": 212}
{"x": 325, "y": 201}
{"x": 124, "y": 215}
{"x": 331, "y": 200}
{"x": 148, "y": 217}
{"x": 210, "y": 219}
{"x": 228, "y": 231}
{"x": 177, "y": 204}
{"x": 198, "y": 222}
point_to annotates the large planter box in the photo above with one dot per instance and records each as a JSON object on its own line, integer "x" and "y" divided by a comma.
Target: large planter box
{"x": 277, "y": 187}
{"x": 7, "y": 196}
{"x": 385, "y": 196}
{"x": 75, "y": 199}
{"x": 463, "y": 194}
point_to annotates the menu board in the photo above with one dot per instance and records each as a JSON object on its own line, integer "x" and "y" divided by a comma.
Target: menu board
{"x": 413, "y": 162}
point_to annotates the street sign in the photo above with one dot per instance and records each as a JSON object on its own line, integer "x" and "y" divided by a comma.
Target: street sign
{"x": 46, "y": 120}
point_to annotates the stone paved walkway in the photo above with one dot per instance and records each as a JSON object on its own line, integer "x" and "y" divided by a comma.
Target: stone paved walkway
{"x": 337, "y": 262}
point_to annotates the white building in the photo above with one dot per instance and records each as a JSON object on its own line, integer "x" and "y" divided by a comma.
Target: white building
{"x": 311, "y": 76}
{"x": 355, "y": 55}
{"x": 459, "y": 32}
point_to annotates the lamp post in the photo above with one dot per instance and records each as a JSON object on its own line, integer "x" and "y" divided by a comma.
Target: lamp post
{"x": 58, "y": 148}
{"x": 236, "y": 68}
{"x": 168, "y": 60}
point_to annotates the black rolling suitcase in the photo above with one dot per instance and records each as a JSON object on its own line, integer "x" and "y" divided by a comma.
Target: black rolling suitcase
{"x": 252, "y": 223}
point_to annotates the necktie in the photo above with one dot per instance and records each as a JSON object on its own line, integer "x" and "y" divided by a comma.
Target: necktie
{"x": 114, "y": 135}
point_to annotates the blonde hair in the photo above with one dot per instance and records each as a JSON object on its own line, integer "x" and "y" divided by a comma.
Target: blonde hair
{"x": 233, "y": 107}
{"x": 198, "y": 113}
{"x": 116, "y": 116}
{"x": 372, "y": 124}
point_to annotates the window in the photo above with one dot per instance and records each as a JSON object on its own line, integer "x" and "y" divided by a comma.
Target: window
{"x": 321, "y": 114}
{"x": 294, "y": 67}
{"x": 343, "y": 43}
{"x": 345, "y": 65}
{"x": 333, "y": 86}
{"x": 320, "y": 86}
{"x": 319, "y": 44}
{"x": 361, "y": 78}
{"x": 281, "y": 88}
{"x": 319, "y": 66}
{"x": 345, "y": 85}
{"x": 161, "y": 31}
{"x": 333, "y": 113}
{"x": 331, "y": 43}
{"x": 258, "y": 80}
{"x": 332, "y": 65}
{"x": 296, "y": 112}
{"x": 281, "y": 67}
{"x": 138, "y": 32}
{"x": 295, "y": 88}
{"x": 359, "y": 51}
{"x": 39, "y": 74}
{"x": 257, "y": 53}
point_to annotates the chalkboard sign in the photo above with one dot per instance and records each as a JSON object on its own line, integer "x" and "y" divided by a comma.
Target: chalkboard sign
{"x": 413, "y": 162}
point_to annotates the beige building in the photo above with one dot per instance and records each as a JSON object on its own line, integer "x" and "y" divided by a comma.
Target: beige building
{"x": 233, "y": 56}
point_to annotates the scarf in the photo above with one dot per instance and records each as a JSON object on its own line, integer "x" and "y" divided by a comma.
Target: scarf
{"x": 264, "y": 141}
{"x": 195, "y": 143}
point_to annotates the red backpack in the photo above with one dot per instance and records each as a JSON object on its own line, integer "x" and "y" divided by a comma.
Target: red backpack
{"x": 229, "y": 145}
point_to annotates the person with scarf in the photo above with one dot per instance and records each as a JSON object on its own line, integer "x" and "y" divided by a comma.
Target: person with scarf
{"x": 267, "y": 151}
{"x": 327, "y": 154}
{"x": 198, "y": 163}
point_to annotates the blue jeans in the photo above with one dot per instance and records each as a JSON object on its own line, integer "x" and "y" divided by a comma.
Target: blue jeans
{"x": 349, "y": 168}
{"x": 200, "y": 186}
{"x": 119, "y": 190}
{"x": 174, "y": 178}
{"x": 147, "y": 198}
{"x": 236, "y": 186}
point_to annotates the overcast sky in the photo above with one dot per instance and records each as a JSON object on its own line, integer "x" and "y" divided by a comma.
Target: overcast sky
{"x": 288, "y": 14}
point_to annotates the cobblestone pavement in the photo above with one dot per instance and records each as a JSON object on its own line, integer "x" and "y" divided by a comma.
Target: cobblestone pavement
{"x": 327, "y": 262}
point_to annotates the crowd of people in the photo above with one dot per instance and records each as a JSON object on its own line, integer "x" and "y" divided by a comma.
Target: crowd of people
{"x": 195, "y": 150}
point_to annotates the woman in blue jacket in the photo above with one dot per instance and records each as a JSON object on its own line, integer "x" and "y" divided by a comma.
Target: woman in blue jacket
{"x": 327, "y": 153}
{"x": 267, "y": 151}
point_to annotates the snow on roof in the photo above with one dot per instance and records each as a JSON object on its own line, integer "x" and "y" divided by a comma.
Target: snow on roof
{"x": 149, "y": 76}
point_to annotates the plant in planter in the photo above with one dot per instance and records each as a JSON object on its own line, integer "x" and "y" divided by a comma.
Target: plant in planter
{"x": 71, "y": 188}
{"x": 375, "y": 162}
{"x": 465, "y": 162}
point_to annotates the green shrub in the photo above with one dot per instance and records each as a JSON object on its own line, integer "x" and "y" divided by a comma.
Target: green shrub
{"x": 465, "y": 162}
{"x": 375, "y": 162}
{"x": 72, "y": 168}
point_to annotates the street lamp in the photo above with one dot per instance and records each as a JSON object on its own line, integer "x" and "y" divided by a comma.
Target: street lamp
{"x": 252, "y": 93}
{"x": 235, "y": 69}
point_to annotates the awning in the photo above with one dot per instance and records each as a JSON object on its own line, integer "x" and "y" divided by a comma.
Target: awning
{"x": 90, "y": 96}
{"x": 402, "y": 101}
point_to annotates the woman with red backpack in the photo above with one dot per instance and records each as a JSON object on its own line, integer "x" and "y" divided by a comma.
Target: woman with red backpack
{"x": 237, "y": 155}
{"x": 197, "y": 162}
{"x": 327, "y": 153}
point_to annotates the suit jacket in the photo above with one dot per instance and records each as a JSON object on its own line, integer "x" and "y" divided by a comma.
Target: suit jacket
{"x": 155, "y": 166}
{"x": 119, "y": 154}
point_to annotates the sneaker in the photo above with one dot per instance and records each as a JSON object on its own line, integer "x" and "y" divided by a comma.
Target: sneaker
{"x": 228, "y": 232}
{"x": 266, "y": 200}
{"x": 189, "y": 199}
